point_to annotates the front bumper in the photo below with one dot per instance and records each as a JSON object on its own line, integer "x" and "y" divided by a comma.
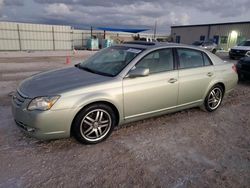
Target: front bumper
{"x": 43, "y": 125}
{"x": 237, "y": 53}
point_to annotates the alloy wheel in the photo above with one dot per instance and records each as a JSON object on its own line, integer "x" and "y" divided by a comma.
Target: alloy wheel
{"x": 214, "y": 98}
{"x": 95, "y": 125}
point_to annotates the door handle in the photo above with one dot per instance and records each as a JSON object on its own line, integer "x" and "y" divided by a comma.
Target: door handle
{"x": 172, "y": 80}
{"x": 210, "y": 74}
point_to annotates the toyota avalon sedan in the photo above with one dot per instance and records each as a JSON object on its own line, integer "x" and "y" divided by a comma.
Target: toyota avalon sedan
{"x": 117, "y": 85}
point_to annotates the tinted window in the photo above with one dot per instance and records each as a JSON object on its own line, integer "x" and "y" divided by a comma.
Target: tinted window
{"x": 158, "y": 61}
{"x": 189, "y": 58}
{"x": 245, "y": 43}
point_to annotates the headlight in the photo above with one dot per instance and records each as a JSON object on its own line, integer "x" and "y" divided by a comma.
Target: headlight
{"x": 42, "y": 103}
{"x": 248, "y": 54}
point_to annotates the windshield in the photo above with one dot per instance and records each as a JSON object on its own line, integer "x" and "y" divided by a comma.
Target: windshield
{"x": 245, "y": 43}
{"x": 110, "y": 61}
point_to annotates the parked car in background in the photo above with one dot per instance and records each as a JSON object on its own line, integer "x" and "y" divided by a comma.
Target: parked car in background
{"x": 207, "y": 45}
{"x": 147, "y": 39}
{"x": 120, "y": 84}
{"x": 241, "y": 50}
{"x": 243, "y": 68}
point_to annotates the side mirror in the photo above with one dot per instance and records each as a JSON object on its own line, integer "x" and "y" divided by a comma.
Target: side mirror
{"x": 138, "y": 72}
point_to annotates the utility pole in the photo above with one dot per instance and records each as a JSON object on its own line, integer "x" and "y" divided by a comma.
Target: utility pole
{"x": 155, "y": 29}
{"x": 91, "y": 31}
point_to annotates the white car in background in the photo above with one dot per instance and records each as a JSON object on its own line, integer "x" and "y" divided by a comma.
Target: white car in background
{"x": 207, "y": 45}
{"x": 241, "y": 50}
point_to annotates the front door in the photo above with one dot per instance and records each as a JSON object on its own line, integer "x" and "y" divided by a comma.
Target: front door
{"x": 155, "y": 92}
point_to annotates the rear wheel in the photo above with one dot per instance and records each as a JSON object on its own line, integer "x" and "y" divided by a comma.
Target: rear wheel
{"x": 214, "y": 51}
{"x": 94, "y": 124}
{"x": 214, "y": 98}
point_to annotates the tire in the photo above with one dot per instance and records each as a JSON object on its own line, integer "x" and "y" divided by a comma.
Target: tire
{"x": 214, "y": 98}
{"x": 94, "y": 124}
{"x": 214, "y": 51}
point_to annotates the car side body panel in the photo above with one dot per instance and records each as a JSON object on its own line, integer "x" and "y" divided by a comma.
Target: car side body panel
{"x": 134, "y": 98}
{"x": 143, "y": 95}
{"x": 193, "y": 83}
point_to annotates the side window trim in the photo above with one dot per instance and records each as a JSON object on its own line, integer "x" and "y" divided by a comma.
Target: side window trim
{"x": 178, "y": 60}
{"x": 208, "y": 58}
{"x": 173, "y": 56}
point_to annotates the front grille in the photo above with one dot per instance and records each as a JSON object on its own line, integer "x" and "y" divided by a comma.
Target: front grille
{"x": 18, "y": 99}
{"x": 25, "y": 127}
{"x": 239, "y": 52}
{"x": 245, "y": 67}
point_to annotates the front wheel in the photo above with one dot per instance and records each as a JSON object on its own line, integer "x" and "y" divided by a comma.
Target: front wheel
{"x": 213, "y": 98}
{"x": 94, "y": 124}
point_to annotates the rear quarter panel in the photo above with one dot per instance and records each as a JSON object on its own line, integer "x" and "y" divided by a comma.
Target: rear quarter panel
{"x": 223, "y": 73}
{"x": 227, "y": 75}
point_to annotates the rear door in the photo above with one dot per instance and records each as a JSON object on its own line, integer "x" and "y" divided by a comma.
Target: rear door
{"x": 195, "y": 73}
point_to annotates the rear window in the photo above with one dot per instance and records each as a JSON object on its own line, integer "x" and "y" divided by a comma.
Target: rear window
{"x": 245, "y": 43}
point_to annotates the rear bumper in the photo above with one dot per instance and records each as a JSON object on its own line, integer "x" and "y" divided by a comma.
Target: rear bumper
{"x": 43, "y": 125}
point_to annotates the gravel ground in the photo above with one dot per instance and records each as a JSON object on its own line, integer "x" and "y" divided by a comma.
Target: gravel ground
{"x": 190, "y": 148}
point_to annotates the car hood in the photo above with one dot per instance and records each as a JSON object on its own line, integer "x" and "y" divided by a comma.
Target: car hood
{"x": 59, "y": 81}
{"x": 241, "y": 48}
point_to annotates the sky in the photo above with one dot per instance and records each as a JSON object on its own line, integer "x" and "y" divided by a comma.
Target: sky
{"x": 82, "y": 14}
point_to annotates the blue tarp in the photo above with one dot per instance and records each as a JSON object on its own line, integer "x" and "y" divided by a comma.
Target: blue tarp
{"x": 122, "y": 30}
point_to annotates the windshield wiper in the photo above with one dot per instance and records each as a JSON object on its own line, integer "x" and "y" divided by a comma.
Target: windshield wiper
{"x": 93, "y": 71}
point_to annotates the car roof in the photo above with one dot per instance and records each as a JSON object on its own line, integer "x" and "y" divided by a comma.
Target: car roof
{"x": 151, "y": 45}
{"x": 154, "y": 45}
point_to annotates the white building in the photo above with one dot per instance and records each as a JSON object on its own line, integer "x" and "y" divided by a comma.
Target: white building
{"x": 225, "y": 35}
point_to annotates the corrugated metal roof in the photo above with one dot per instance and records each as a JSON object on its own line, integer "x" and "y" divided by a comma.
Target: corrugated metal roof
{"x": 213, "y": 24}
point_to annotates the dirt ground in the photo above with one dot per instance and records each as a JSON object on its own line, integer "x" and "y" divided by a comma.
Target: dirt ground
{"x": 190, "y": 148}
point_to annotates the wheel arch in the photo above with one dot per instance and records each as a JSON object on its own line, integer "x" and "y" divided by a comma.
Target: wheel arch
{"x": 222, "y": 85}
{"x": 114, "y": 108}
{"x": 211, "y": 85}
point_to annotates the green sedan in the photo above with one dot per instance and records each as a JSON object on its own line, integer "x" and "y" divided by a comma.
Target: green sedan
{"x": 120, "y": 84}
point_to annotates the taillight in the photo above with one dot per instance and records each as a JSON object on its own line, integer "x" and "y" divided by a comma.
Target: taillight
{"x": 234, "y": 68}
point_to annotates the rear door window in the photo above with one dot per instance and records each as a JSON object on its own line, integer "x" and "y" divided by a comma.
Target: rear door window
{"x": 189, "y": 58}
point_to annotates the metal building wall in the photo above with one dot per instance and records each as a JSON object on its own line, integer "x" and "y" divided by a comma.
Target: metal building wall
{"x": 9, "y": 37}
{"x": 189, "y": 34}
{"x": 22, "y": 36}
{"x": 243, "y": 30}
